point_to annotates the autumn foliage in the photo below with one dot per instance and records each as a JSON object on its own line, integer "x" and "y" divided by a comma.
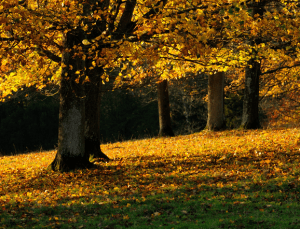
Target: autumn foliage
{"x": 172, "y": 37}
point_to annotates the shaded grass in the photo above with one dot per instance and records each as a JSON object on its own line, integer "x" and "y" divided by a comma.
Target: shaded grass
{"x": 230, "y": 179}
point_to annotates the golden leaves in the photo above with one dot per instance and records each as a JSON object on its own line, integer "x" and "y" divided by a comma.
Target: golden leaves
{"x": 194, "y": 36}
{"x": 211, "y": 160}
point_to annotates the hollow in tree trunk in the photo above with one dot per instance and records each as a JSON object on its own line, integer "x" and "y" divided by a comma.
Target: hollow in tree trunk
{"x": 92, "y": 114}
{"x": 215, "y": 119}
{"x": 250, "y": 119}
{"x": 71, "y": 145}
{"x": 165, "y": 128}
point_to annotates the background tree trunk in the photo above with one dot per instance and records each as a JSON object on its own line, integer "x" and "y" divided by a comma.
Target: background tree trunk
{"x": 215, "y": 119}
{"x": 250, "y": 119}
{"x": 71, "y": 145}
{"x": 92, "y": 114}
{"x": 165, "y": 128}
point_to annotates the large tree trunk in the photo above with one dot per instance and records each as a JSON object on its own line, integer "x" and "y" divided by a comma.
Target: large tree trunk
{"x": 250, "y": 118}
{"x": 93, "y": 89}
{"x": 165, "y": 128}
{"x": 215, "y": 119}
{"x": 92, "y": 115}
{"x": 71, "y": 145}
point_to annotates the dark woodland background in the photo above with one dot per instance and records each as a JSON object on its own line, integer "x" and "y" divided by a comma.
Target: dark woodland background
{"x": 29, "y": 119}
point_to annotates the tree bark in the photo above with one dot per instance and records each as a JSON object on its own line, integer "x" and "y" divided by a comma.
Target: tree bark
{"x": 215, "y": 119}
{"x": 71, "y": 148}
{"x": 93, "y": 88}
{"x": 92, "y": 114}
{"x": 250, "y": 119}
{"x": 165, "y": 128}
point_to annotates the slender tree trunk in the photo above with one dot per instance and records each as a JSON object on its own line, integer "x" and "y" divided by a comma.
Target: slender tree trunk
{"x": 165, "y": 128}
{"x": 71, "y": 145}
{"x": 215, "y": 119}
{"x": 250, "y": 119}
{"x": 92, "y": 114}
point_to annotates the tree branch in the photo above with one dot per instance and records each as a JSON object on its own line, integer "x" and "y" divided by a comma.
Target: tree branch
{"x": 113, "y": 17}
{"x": 280, "y": 68}
{"x": 156, "y": 9}
{"x": 50, "y": 55}
{"x": 125, "y": 21}
{"x": 11, "y": 39}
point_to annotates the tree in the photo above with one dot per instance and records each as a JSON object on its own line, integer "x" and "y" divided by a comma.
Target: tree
{"x": 279, "y": 96}
{"x": 165, "y": 127}
{"x": 273, "y": 43}
{"x": 71, "y": 152}
{"x": 92, "y": 115}
{"x": 80, "y": 26}
{"x": 215, "y": 119}
{"x": 250, "y": 118}
{"x": 197, "y": 36}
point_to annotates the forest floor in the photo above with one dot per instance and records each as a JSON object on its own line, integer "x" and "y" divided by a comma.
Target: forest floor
{"x": 228, "y": 179}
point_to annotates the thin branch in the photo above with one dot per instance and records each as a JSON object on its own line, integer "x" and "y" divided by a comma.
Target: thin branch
{"x": 156, "y": 9}
{"x": 280, "y": 68}
{"x": 49, "y": 54}
{"x": 113, "y": 18}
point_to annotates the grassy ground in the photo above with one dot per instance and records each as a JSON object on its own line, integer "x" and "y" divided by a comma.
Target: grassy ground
{"x": 230, "y": 179}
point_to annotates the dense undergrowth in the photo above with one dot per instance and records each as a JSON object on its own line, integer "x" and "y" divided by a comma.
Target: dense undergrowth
{"x": 230, "y": 179}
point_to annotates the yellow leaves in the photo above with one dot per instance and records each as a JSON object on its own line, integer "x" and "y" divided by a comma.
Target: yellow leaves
{"x": 155, "y": 214}
{"x": 86, "y": 42}
{"x": 266, "y": 161}
{"x": 156, "y": 169}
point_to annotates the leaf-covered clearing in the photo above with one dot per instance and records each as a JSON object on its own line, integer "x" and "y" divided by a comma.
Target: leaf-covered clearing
{"x": 230, "y": 179}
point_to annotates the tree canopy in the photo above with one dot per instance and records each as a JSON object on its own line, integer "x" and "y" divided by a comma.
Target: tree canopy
{"x": 172, "y": 36}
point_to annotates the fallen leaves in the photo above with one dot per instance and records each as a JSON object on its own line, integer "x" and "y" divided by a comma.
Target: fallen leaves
{"x": 245, "y": 161}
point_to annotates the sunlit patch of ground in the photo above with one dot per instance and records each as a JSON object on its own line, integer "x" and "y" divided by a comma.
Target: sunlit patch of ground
{"x": 207, "y": 179}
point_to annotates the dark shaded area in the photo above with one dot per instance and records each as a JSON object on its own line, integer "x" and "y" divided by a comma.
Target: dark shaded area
{"x": 28, "y": 123}
{"x": 31, "y": 123}
{"x": 125, "y": 115}
{"x": 187, "y": 104}
{"x": 233, "y": 109}
{"x": 165, "y": 126}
